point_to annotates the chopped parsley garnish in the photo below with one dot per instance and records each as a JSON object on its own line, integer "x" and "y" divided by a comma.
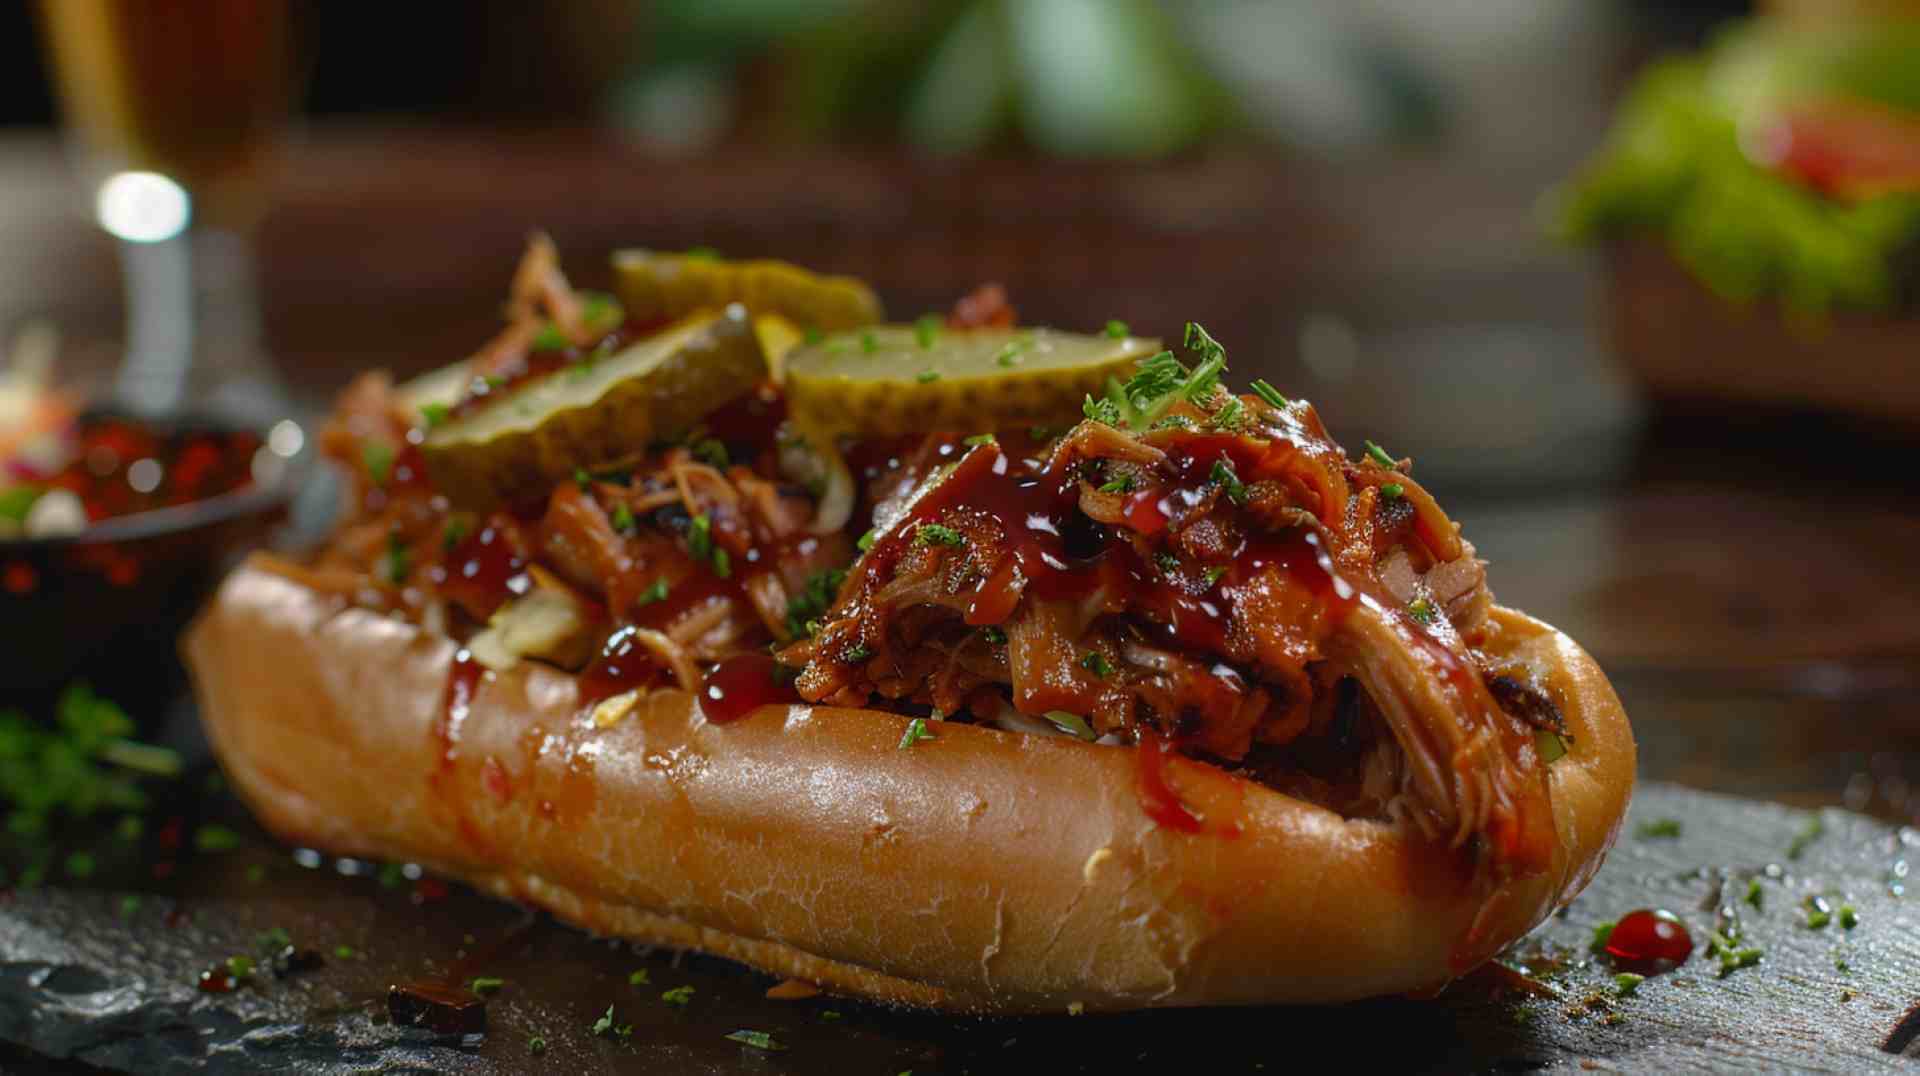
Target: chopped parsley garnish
{"x": 916, "y": 731}
{"x": 994, "y": 635}
{"x": 1627, "y": 982}
{"x": 1849, "y": 918}
{"x": 679, "y": 995}
{"x": 1657, "y": 829}
{"x": 711, "y": 451}
{"x": 1602, "y": 933}
{"x": 1223, "y": 473}
{"x": 1422, "y": 610}
{"x": 240, "y": 966}
{"x": 1117, "y": 329}
{"x": 1213, "y": 574}
{"x": 1009, "y": 352}
{"x": 536, "y": 1045}
{"x": 702, "y": 254}
{"x": 397, "y": 562}
{"x": 433, "y": 414}
{"x": 979, "y": 439}
{"x": 1815, "y": 829}
{"x": 869, "y": 343}
{"x": 926, "y": 330}
{"x": 486, "y": 986}
{"x": 1160, "y": 382}
{"x": 1071, "y": 724}
{"x": 759, "y": 1040}
{"x": 935, "y": 534}
{"x": 1096, "y": 662}
{"x": 1173, "y": 422}
{"x": 1379, "y": 456}
{"x": 1118, "y": 484}
{"x": 212, "y": 838}
{"x": 1270, "y": 394}
{"x": 1231, "y": 416}
{"x": 1818, "y": 917}
{"x": 1731, "y": 955}
{"x": 455, "y": 532}
{"x": 856, "y": 654}
{"x": 640, "y": 978}
{"x": 1166, "y": 562}
{"x": 1393, "y": 491}
{"x": 17, "y": 501}
{"x": 622, "y": 518}
{"x": 656, "y": 592}
{"x": 814, "y": 599}
{"x": 701, "y": 548}
{"x": 377, "y": 456}
{"x": 81, "y": 864}
{"x": 343, "y": 952}
{"x": 605, "y": 1027}
{"x": 927, "y": 377}
{"x": 811, "y": 336}
{"x": 1754, "y": 893}
{"x": 866, "y": 540}
{"x": 582, "y": 479}
{"x": 129, "y": 904}
{"x": 1549, "y": 745}
{"x": 272, "y": 940}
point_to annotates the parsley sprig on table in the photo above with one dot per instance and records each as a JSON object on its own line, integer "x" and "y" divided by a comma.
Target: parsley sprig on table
{"x": 1161, "y": 382}
{"x": 85, "y": 763}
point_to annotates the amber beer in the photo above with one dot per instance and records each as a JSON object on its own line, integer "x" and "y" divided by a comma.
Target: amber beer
{"x": 192, "y": 89}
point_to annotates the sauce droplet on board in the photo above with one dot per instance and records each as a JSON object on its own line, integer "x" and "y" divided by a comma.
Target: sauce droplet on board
{"x": 1649, "y": 938}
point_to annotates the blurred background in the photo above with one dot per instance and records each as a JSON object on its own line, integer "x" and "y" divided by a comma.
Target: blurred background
{"x": 1350, "y": 196}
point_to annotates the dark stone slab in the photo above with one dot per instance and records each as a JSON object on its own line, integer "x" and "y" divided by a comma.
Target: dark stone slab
{"x": 88, "y": 978}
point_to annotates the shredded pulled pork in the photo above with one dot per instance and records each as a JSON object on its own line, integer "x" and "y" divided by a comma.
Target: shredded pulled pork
{"x": 1222, "y": 588}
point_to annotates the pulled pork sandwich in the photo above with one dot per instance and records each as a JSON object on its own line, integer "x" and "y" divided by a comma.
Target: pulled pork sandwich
{"x": 951, "y": 664}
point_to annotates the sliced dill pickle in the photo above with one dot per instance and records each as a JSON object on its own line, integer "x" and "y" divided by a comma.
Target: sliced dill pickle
{"x": 590, "y": 415}
{"x": 659, "y": 284}
{"x": 435, "y": 389}
{"x": 898, "y": 379}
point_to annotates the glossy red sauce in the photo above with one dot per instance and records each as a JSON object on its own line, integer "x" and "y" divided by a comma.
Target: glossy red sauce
{"x": 463, "y": 679}
{"x": 624, "y": 664}
{"x": 743, "y": 683}
{"x": 750, "y": 425}
{"x": 1157, "y": 797}
{"x": 481, "y": 568}
{"x": 1650, "y": 938}
{"x": 194, "y": 465}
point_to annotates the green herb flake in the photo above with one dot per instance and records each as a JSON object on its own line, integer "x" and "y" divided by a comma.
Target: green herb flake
{"x": 1096, "y": 662}
{"x": 811, "y": 336}
{"x": 1071, "y": 724}
{"x": 1849, "y": 918}
{"x": 657, "y": 592}
{"x": 1213, "y": 575}
{"x": 1602, "y": 932}
{"x": 1393, "y": 491}
{"x": 605, "y": 1028}
{"x": 622, "y": 518}
{"x": 434, "y": 414}
{"x": 1818, "y": 919}
{"x": 17, "y": 501}
{"x": 679, "y": 995}
{"x": 1816, "y": 828}
{"x": 979, "y": 439}
{"x": 640, "y": 978}
{"x": 1117, "y": 330}
{"x": 1379, "y": 456}
{"x": 1173, "y": 422}
{"x": 1422, "y": 610}
{"x": 1270, "y": 394}
{"x": 701, "y": 254}
{"x": 129, "y": 904}
{"x": 536, "y": 1045}
{"x": 377, "y": 458}
{"x": 272, "y": 940}
{"x": 869, "y": 343}
{"x": 927, "y": 377}
{"x": 212, "y": 838}
{"x": 486, "y": 986}
{"x": 343, "y": 952}
{"x": 1658, "y": 829}
{"x": 830, "y": 1014}
{"x": 1755, "y": 896}
{"x": 866, "y": 540}
{"x": 813, "y": 601}
{"x": 722, "y": 563}
{"x": 1223, "y": 474}
{"x": 713, "y": 452}
{"x": 1627, "y": 982}
{"x": 396, "y": 564}
{"x": 994, "y": 635}
{"x": 856, "y": 654}
{"x": 700, "y": 538}
{"x": 926, "y": 330}
{"x": 1231, "y": 416}
{"x": 916, "y": 731}
{"x": 1008, "y": 354}
{"x": 936, "y": 534}
{"x": 582, "y": 479}
{"x": 130, "y": 828}
{"x": 759, "y": 1040}
{"x": 240, "y": 966}
{"x": 80, "y": 865}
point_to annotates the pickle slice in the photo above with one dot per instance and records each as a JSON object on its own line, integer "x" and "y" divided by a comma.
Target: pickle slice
{"x": 439, "y": 388}
{"x": 594, "y": 414}
{"x": 897, "y": 379}
{"x": 658, "y": 284}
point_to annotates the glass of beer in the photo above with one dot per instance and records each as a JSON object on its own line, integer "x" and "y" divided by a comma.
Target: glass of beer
{"x": 172, "y": 107}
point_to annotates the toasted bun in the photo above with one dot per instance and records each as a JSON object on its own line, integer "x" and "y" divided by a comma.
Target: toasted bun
{"x": 982, "y": 870}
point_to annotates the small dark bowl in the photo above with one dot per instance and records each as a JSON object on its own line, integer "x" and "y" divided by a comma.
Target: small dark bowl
{"x": 108, "y": 604}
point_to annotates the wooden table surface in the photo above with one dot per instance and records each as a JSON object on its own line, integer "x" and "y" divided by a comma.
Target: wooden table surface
{"x": 1749, "y": 581}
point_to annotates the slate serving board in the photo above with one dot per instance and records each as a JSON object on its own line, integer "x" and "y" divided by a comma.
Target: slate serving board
{"x": 90, "y": 977}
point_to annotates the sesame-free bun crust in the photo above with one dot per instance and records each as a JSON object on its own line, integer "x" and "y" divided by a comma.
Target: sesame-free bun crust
{"x": 981, "y": 870}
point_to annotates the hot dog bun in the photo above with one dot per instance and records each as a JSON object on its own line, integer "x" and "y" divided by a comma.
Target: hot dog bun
{"x": 983, "y": 870}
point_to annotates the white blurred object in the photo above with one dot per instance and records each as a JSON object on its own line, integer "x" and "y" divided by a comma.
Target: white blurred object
{"x": 142, "y": 207}
{"x": 56, "y": 512}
